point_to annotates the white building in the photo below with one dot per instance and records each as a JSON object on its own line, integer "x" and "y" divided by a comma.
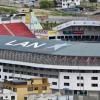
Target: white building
{"x": 8, "y": 95}
{"x": 70, "y": 3}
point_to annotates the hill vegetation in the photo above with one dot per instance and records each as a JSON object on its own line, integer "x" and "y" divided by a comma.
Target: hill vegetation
{"x": 4, "y": 10}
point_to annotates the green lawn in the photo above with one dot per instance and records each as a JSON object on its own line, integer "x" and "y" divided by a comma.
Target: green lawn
{"x": 88, "y": 4}
{"x": 42, "y": 12}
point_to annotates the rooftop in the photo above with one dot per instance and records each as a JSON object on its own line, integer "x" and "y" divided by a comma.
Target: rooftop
{"x": 77, "y": 23}
{"x": 17, "y": 82}
{"x": 52, "y": 47}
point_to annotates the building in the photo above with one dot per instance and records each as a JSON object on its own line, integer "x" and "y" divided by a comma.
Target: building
{"x": 8, "y": 95}
{"x": 25, "y": 88}
{"x": 69, "y": 66}
{"x": 17, "y": 3}
{"x": 78, "y": 30}
{"x": 70, "y": 3}
{"x": 51, "y": 97}
{"x": 67, "y": 3}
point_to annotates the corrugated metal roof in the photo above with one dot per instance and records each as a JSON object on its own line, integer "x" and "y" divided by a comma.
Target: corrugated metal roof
{"x": 53, "y": 47}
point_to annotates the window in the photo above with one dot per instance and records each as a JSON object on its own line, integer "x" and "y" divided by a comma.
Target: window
{"x": 35, "y": 88}
{"x": 1, "y": 98}
{"x": 5, "y": 77}
{"x": 11, "y": 71}
{"x": 44, "y": 88}
{"x": 54, "y": 83}
{"x": 12, "y": 97}
{"x": 15, "y": 89}
{"x": 94, "y": 78}
{"x": 0, "y": 76}
{"x": 44, "y": 81}
{"x": 25, "y": 98}
{"x": 95, "y": 71}
{"x": 52, "y": 37}
{"x": 66, "y": 84}
{"x": 66, "y": 77}
{"x": 35, "y": 74}
{"x": 6, "y": 96}
{"x": 30, "y": 89}
{"x": 80, "y": 84}
{"x": 5, "y": 70}
{"x": 53, "y": 76}
{"x": 94, "y": 85}
{"x": 10, "y": 77}
{"x": 41, "y": 75}
{"x": 80, "y": 77}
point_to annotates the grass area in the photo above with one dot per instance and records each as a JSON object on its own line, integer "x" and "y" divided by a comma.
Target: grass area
{"x": 10, "y": 7}
{"x": 42, "y": 12}
{"x": 48, "y": 25}
{"x": 6, "y": 10}
{"x": 62, "y": 13}
{"x": 92, "y": 5}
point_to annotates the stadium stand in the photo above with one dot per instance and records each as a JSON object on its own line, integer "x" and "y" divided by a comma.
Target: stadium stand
{"x": 3, "y": 31}
{"x": 15, "y": 29}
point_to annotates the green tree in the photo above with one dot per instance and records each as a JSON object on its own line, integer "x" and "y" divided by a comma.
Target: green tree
{"x": 8, "y": 10}
{"x": 93, "y": 1}
{"x": 46, "y": 4}
{"x": 55, "y": 3}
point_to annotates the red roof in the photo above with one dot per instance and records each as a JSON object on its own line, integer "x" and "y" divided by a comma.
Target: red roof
{"x": 15, "y": 29}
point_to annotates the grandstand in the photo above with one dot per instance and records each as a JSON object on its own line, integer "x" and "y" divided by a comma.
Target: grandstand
{"x": 78, "y": 30}
{"x": 15, "y": 29}
{"x": 69, "y": 66}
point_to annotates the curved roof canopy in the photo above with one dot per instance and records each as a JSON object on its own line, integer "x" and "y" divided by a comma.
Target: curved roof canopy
{"x": 77, "y": 23}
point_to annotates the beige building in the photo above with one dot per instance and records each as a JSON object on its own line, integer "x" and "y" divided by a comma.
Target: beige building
{"x": 32, "y": 86}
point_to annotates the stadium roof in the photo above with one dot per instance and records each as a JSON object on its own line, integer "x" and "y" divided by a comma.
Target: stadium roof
{"x": 53, "y": 47}
{"x": 77, "y": 23}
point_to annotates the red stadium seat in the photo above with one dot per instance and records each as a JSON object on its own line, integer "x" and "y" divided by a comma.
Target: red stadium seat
{"x": 3, "y": 31}
{"x": 15, "y": 29}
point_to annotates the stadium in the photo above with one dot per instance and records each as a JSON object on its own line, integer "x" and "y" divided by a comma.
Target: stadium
{"x": 72, "y": 67}
{"x": 78, "y": 30}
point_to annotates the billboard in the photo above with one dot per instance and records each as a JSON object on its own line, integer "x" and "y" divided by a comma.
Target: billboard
{"x": 35, "y": 22}
{"x": 52, "y": 33}
{"x": 32, "y": 21}
{"x": 28, "y": 18}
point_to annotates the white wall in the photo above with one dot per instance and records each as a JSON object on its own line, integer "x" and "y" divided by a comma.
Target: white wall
{"x": 7, "y": 94}
{"x": 70, "y": 3}
{"x": 86, "y": 81}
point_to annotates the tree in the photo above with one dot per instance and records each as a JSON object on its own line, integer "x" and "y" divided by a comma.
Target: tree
{"x": 93, "y": 1}
{"x": 55, "y": 3}
{"x": 46, "y": 4}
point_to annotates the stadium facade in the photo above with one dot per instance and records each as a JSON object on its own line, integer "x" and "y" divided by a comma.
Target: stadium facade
{"x": 78, "y": 30}
{"x": 70, "y": 66}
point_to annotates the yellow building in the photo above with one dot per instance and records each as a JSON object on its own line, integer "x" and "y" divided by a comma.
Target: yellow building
{"x": 32, "y": 86}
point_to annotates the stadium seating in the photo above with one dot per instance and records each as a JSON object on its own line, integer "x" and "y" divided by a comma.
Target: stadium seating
{"x": 15, "y": 29}
{"x": 3, "y": 31}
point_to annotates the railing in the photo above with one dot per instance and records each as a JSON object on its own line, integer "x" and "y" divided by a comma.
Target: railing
{"x": 49, "y": 59}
